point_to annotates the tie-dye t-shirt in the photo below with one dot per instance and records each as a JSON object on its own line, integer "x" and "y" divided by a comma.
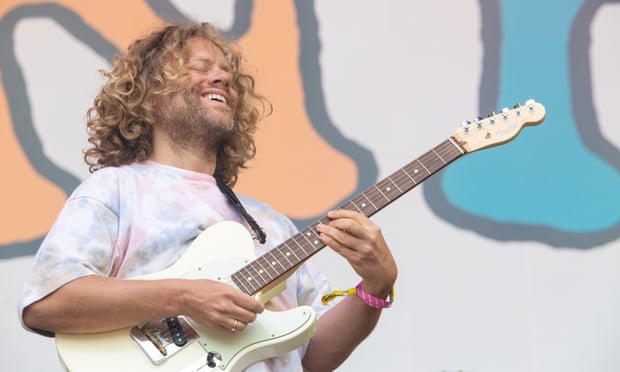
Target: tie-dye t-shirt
{"x": 138, "y": 219}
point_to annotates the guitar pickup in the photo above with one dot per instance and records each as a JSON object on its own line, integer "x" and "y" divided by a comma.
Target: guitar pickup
{"x": 161, "y": 339}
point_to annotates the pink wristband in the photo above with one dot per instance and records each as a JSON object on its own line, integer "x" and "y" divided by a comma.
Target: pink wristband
{"x": 373, "y": 301}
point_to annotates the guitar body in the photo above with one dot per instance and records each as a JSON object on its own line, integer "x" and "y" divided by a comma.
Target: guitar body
{"x": 273, "y": 333}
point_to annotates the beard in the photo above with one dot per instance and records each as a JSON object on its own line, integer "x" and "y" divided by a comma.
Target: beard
{"x": 190, "y": 125}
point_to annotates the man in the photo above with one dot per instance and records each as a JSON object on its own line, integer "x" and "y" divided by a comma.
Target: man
{"x": 176, "y": 117}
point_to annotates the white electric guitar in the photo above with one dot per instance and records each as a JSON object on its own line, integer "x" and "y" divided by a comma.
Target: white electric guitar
{"x": 178, "y": 344}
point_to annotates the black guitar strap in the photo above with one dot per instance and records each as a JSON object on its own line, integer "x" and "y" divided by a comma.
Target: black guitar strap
{"x": 234, "y": 200}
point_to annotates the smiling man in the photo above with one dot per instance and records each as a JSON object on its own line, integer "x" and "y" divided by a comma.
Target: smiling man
{"x": 170, "y": 129}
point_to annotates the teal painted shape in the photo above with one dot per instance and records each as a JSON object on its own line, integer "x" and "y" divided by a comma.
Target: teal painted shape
{"x": 546, "y": 176}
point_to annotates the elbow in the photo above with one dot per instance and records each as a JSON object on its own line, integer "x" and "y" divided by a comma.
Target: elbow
{"x": 33, "y": 318}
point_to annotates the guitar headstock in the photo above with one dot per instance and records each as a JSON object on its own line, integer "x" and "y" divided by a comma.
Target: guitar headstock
{"x": 499, "y": 128}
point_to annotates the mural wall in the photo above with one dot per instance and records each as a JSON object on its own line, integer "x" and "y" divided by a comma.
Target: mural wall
{"x": 508, "y": 258}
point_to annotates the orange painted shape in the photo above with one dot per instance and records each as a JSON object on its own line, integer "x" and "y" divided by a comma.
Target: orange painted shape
{"x": 295, "y": 170}
{"x": 29, "y": 202}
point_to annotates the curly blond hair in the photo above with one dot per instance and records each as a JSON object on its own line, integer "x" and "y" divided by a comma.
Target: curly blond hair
{"x": 120, "y": 122}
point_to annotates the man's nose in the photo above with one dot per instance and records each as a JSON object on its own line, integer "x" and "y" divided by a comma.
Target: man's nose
{"x": 220, "y": 78}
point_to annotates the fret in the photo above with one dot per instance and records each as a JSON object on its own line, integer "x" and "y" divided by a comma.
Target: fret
{"x": 273, "y": 261}
{"x": 262, "y": 269}
{"x": 388, "y": 188}
{"x": 392, "y": 189}
{"x": 250, "y": 279}
{"x": 300, "y": 245}
{"x": 314, "y": 243}
{"x": 297, "y": 244}
{"x": 292, "y": 251}
{"x": 415, "y": 173}
{"x": 375, "y": 197}
{"x": 365, "y": 205}
{"x": 281, "y": 253}
{"x": 439, "y": 156}
{"x": 352, "y": 202}
{"x": 256, "y": 276}
{"x": 431, "y": 163}
{"x": 311, "y": 235}
{"x": 382, "y": 193}
{"x": 241, "y": 283}
{"x": 409, "y": 177}
{"x": 423, "y": 166}
{"x": 402, "y": 180}
{"x": 265, "y": 267}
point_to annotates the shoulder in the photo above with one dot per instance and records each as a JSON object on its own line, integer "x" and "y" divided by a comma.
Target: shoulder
{"x": 107, "y": 184}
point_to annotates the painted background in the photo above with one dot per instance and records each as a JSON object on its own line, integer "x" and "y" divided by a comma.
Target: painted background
{"x": 509, "y": 259}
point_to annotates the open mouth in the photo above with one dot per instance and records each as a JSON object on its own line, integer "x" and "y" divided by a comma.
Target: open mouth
{"x": 215, "y": 97}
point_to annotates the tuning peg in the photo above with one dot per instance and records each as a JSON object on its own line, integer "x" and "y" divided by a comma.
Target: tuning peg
{"x": 505, "y": 112}
{"x": 516, "y": 105}
{"x": 465, "y": 125}
{"x": 530, "y": 104}
{"x": 479, "y": 121}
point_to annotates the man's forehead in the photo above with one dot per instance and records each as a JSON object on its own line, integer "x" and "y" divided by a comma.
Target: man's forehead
{"x": 205, "y": 52}
{"x": 204, "y": 47}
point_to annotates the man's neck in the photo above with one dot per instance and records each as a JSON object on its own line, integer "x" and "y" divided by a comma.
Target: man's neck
{"x": 187, "y": 158}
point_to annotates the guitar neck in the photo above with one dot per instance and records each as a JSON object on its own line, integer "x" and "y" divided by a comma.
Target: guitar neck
{"x": 273, "y": 265}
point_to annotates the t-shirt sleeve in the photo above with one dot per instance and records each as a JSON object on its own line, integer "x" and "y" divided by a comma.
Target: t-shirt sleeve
{"x": 81, "y": 242}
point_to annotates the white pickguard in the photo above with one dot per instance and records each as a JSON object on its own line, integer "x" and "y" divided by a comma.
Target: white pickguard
{"x": 209, "y": 257}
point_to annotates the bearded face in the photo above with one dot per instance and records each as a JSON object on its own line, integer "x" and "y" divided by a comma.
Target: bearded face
{"x": 200, "y": 115}
{"x": 189, "y": 123}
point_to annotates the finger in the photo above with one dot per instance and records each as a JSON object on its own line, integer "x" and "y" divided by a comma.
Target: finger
{"x": 243, "y": 315}
{"x": 337, "y": 232}
{"x": 352, "y": 222}
{"x": 238, "y": 326}
{"x": 340, "y": 242}
{"x": 248, "y": 303}
{"x": 231, "y": 325}
{"x": 344, "y": 213}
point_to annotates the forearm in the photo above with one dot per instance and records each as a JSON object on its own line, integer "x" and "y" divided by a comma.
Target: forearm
{"x": 339, "y": 331}
{"x": 98, "y": 304}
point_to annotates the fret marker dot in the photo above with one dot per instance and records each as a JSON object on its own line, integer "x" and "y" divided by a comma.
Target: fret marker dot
{"x": 316, "y": 242}
{"x": 363, "y": 205}
{"x": 415, "y": 171}
{"x": 273, "y": 263}
{"x": 288, "y": 253}
{"x": 260, "y": 271}
{"x": 388, "y": 188}
{"x": 249, "y": 278}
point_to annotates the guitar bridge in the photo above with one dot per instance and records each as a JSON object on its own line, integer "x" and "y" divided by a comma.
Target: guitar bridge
{"x": 160, "y": 341}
